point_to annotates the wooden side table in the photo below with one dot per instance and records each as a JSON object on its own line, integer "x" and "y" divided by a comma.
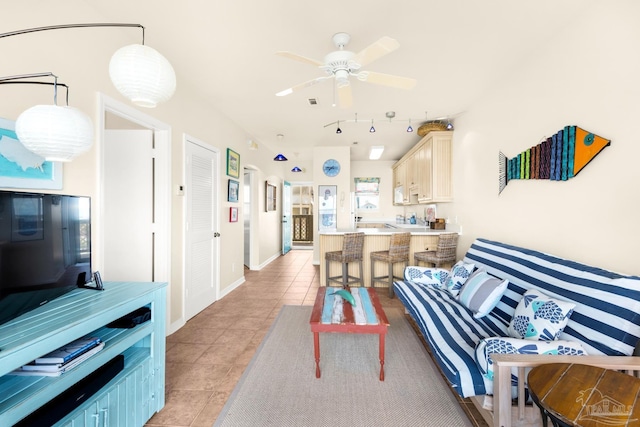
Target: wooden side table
{"x": 587, "y": 396}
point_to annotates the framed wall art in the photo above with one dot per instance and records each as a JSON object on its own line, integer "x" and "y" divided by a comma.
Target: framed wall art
{"x": 269, "y": 197}
{"x": 233, "y": 163}
{"x": 20, "y": 168}
{"x": 327, "y": 207}
{"x": 232, "y": 190}
{"x": 233, "y": 214}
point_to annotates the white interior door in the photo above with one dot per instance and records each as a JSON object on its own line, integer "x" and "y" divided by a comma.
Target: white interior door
{"x": 201, "y": 234}
{"x": 128, "y": 206}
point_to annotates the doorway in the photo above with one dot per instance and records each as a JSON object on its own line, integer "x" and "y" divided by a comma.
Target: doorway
{"x": 246, "y": 212}
{"x": 302, "y": 215}
{"x": 150, "y": 152}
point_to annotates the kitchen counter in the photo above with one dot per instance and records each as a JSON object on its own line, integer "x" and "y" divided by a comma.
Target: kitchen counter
{"x": 377, "y": 239}
{"x": 389, "y": 229}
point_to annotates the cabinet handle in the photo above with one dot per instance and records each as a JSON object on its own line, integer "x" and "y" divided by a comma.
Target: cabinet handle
{"x": 96, "y": 419}
{"x": 105, "y": 417}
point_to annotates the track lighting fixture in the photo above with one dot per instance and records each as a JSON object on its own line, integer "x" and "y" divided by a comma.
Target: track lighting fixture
{"x": 421, "y": 130}
{"x": 296, "y": 169}
{"x": 280, "y": 158}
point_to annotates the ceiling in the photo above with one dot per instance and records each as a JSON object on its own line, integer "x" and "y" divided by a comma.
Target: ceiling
{"x": 457, "y": 50}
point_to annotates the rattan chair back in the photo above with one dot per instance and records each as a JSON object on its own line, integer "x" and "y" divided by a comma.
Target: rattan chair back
{"x": 399, "y": 246}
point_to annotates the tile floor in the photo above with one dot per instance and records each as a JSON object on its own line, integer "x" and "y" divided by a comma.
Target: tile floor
{"x": 207, "y": 356}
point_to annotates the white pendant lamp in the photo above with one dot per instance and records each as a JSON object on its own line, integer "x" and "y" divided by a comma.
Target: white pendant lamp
{"x": 142, "y": 75}
{"x": 56, "y": 133}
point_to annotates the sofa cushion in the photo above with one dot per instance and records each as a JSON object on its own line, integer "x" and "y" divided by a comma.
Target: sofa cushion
{"x": 481, "y": 292}
{"x": 606, "y": 319}
{"x": 539, "y": 317}
{"x": 427, "y": 276}
{"x": 459, "y": 274}
{"x": 507, "y": 345}
{"x": 451, "y": 332}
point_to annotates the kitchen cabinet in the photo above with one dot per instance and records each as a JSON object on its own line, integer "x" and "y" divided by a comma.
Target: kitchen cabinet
{"x": 427, "y": 171}
{"x": 400, "y": 189}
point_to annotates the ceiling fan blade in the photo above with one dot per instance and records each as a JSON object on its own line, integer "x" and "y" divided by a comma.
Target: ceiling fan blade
{"x": 376, "y": 51}
{"x": 387, "y": 80}
{"x": 303, "y": 85}
{"x": 299, "y": 58}
{"x": 345, "y": 98}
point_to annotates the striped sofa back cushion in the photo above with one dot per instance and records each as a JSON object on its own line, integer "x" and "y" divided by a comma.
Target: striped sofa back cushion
{"x": 606, "y": 319}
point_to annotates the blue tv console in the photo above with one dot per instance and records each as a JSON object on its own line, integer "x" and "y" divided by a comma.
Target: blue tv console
{"x": 131, "y": 398}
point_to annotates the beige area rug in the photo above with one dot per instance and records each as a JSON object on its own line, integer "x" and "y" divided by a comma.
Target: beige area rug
{"x": 279, "y": 387}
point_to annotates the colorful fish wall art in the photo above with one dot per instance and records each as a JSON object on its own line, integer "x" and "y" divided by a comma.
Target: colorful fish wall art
{"x": 558, "y": 158}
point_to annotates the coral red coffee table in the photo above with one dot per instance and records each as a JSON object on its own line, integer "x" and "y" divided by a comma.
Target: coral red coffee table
{"x": 331, "y": 313}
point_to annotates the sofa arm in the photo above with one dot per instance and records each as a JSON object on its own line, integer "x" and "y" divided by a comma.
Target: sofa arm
{"x": 504, "y": 363}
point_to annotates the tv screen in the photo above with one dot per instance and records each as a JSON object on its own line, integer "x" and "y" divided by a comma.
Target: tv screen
{"x": 45, "y": 249}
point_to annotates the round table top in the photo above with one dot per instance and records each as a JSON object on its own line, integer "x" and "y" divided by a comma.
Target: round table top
{"x": 587, "y": 396}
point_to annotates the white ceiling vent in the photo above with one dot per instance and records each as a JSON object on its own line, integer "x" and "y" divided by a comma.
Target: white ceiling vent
{"x": 313, "y": 101}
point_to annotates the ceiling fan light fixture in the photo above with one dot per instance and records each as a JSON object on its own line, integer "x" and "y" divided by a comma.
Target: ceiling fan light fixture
{"x": 280, "y": 158}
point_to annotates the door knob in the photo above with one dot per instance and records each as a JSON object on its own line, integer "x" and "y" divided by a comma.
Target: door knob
{"x": 216, "y": 234}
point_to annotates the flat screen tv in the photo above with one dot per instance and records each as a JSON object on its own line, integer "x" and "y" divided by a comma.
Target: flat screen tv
{"x": 45, "y": 249}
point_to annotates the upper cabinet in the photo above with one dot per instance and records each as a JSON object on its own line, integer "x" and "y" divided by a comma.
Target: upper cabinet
{"x": 423, "y": 175}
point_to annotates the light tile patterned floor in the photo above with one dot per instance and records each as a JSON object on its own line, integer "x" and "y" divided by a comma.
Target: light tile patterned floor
{"x": 207, "y": 356}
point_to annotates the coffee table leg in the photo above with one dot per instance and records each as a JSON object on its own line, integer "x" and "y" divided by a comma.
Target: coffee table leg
{"x": 316, "y": 350}
{"x": 382, "y": 357}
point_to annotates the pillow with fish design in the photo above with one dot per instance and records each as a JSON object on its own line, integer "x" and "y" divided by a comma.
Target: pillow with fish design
{"x": 539, "y": 317}
{"x": 436, "y": 277}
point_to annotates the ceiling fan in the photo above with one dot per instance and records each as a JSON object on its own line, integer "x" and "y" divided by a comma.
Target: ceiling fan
{"x": 341, "y": 64}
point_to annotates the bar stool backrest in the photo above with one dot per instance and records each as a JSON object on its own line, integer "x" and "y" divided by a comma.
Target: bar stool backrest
{"x": 352, "y": 246}
{"x": 399, "y": 246}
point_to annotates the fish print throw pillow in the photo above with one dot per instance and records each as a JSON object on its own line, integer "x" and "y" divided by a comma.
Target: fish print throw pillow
{"x": 539, "y": 317}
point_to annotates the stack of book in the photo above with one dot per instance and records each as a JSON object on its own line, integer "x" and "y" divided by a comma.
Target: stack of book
{"x": 63, "y": 359}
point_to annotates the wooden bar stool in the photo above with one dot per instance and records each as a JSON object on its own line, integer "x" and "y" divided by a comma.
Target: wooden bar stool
{"x": 351, "y": 252}
{"x": 398, "y": 252}
{"x": 445, "y": 252}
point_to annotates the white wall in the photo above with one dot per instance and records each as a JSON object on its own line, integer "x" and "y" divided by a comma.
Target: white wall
{"x": 586, "y": 75}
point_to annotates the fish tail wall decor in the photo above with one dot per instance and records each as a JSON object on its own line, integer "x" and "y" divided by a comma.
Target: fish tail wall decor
{"x": 558, "y": 158}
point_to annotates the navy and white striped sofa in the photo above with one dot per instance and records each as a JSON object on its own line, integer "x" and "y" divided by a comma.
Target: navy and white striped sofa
{"x": 606, "y": 319}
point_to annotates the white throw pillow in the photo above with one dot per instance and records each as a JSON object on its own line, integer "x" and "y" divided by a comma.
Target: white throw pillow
{"x": 481, "y": 292}
{"x": 539, "y": 317}
{"x": 458, "y": 275}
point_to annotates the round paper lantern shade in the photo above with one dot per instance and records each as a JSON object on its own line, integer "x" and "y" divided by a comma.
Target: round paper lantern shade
{"x": 142, "y": 75}
{"x": 56, "y": 133}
